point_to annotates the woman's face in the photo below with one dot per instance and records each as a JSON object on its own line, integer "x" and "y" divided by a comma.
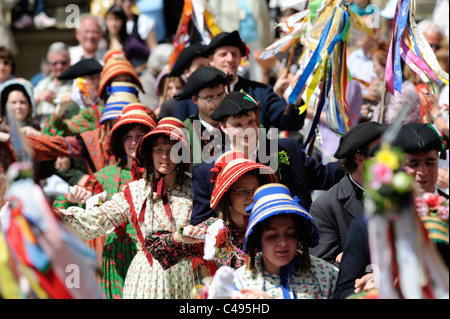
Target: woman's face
{"x": 113, "y": 24}
{"x": 132, "y": 138}
{"x": 173, "y": 88}
{"x": 5, "y": 69}
{"x": 19, "y": 104}
{"x": 161, "y": 156}
{"x": 279, "y": 243}
{"x": 378, "y": 68}
{"x": 124, "y": 77}
{"x": 242, "y": 191}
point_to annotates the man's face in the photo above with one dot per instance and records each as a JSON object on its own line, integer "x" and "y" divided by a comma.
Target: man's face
{"x": 196, "y": 64}
{"x": 424, "y": 168}
{"x": 89, "y": 35}
{"x": 227, "y": 59}
{"x": 433, "y": 38}
{"x": 242, "y": 131}
{"x": 208, "y": 100}
{"x": 59, "y": 62}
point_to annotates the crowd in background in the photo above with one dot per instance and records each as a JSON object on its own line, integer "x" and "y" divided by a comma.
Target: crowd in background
{"x": 101, "y": 117}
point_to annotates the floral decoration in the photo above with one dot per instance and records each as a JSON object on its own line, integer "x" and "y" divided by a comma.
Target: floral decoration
{"x": 433, "y": 205}
{"x": 387, "y": 186}
{"x": 283, "y": 158}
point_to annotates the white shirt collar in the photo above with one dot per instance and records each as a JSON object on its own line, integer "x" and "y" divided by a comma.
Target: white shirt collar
{"x": 208, "y": 126}
{"x": 351, "y": 178}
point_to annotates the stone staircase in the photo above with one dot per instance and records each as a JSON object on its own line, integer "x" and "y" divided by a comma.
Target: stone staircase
{"x": 33, "y": 42}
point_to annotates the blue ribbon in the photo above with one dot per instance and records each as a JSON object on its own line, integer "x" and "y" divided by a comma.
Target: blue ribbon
{"x": 114, "y": 89}
{"x": 311, "y": 65}
{"x": 402, "y": 17}
{"x": 319, "y": 111}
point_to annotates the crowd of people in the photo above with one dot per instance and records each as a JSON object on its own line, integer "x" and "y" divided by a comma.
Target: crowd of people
{"x": 187, "y": 175}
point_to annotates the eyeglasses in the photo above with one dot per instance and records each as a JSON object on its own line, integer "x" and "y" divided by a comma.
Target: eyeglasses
{"x": 62, "y": 62}
{"x": 244, "y": 192}
{"x": 210, "y": 99}
{"x": 435, "y": 47}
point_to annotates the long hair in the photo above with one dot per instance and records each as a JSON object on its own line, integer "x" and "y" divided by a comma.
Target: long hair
{"x": 149, "y": 167}
{"x": 117, "y": 11}
{"x": 254, "y": 243}
{"x": 122, "y": 131}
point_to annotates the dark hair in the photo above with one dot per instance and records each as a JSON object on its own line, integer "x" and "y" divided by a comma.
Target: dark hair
{"x": 148, "y": 160}
{"x": 349, "y": 162}
{"x": 117, "y": 11}
{"x": 254, "y": 242}
{"x": 225, "y": 201}
{"x": 224, "y": 119}
{"x": 6, "y": 54}
{"x": 122, "y": 131}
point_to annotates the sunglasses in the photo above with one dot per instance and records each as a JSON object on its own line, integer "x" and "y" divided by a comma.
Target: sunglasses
{"x": 62, "y": 62}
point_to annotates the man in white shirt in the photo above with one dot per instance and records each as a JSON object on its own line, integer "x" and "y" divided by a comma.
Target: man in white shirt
{"x": 50, "y": 87}
{"x": 88, "y": 36}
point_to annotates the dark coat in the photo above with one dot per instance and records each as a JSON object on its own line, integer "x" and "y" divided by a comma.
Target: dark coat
{"x": 356, "y": 257}
{"x": 333, "y": 212}
{"x": 272, "y": 107}
{"x": 303, "y": 175}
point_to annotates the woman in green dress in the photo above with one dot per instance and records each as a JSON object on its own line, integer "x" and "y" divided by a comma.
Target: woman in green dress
{"x": 120, "y": 245}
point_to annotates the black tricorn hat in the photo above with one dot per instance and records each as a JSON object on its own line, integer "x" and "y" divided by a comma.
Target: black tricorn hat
{"x": 186, "y": 56}
{"x": 417, "y": 138}
{"x": 228, "y": 39}
{"x": 358, "y": 137}
{"x": 82, "y": 68}
{"x": 234, "y": 103}
{"x": 204, "y": 77}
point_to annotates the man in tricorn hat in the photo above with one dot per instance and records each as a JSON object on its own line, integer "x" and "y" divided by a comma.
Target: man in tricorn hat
{"x": 225, "y": 52}
{"x": 206, "y": 88}
{"x": 422, "y": 144}
{"x": 190, "y": 59}
{"x": 237, "y": 114}
{"x": 334, "y": 210}
{"x": 82, "y": 101}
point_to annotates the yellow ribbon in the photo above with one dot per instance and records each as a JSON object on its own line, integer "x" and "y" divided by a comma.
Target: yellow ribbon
{"x": 9, "y": 287}
{"x": 312, "y": 86}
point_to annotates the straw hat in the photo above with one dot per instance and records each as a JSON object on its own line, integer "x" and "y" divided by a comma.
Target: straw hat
{"x": 170, "y": 126}
{"x": 122, "y": 94}
{"x": 229, "y": 167}
{"x": 275, "y": 199}
{"x": 116, "y": 63}
{"x": 133, "y": 113}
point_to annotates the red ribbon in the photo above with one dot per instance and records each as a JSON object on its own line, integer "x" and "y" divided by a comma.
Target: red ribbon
{"x": 161, "y": 190}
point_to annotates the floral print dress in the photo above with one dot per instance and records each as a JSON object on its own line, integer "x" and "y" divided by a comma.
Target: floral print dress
{"x": 116, "y": 250}
{"x": 318, "y": 282}
{"x": 169, "y": 253}
{"x": 145, "y": 279}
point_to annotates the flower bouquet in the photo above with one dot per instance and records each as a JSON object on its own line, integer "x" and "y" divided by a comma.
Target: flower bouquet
{"x": 408, "y": 262}
{"x": 433, "y": 211}
{"x": 217, "y": 241}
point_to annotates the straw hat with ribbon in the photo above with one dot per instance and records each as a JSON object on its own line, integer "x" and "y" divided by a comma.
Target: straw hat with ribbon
{"x": 169, "y": 126}
{"x": 122, "y": 94}
{"x": 133, "y": 113}
{"x": 229, "y": 167}
{"x": 115, "y": 64}
{"x": 275, "y": 199}
{"x": 176, "y": 130}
